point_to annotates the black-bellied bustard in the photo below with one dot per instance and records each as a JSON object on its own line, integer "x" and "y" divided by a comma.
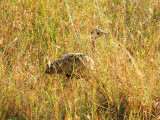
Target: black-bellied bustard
{"x": 74, "y": 64}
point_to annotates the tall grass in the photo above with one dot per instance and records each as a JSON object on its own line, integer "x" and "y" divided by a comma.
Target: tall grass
{"x": 125, "y": 82}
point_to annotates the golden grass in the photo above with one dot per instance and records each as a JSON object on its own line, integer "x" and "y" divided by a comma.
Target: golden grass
{"x": 126, "y": 80}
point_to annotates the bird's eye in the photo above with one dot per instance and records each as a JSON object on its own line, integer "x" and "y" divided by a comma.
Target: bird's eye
{"x": 98, "y": 33}
{"x": 92, "y": 32}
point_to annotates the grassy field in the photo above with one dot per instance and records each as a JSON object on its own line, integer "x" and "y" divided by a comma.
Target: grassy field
{"x": 126, "y": 81}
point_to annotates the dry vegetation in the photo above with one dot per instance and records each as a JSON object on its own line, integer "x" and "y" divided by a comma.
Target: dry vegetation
{"x": 126, "y": 81}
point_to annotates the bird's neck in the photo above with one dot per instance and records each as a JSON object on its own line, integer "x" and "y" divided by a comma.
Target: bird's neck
{"x": 93, "y": 46}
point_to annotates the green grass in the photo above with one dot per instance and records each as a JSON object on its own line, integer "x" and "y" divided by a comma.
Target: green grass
{"x": 125, "y": 82}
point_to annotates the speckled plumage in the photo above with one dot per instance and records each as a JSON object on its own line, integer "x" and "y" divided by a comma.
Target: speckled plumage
{"x": 71, "y": 64}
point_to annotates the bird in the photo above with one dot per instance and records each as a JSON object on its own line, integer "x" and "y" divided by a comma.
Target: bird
{"x": 75, "y": 64}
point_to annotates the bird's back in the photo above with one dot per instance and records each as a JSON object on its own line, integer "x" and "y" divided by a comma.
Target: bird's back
{"x": 73, "y": 63}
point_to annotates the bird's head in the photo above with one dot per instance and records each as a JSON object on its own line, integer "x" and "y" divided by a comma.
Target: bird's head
{"x": 97, "y": 33}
